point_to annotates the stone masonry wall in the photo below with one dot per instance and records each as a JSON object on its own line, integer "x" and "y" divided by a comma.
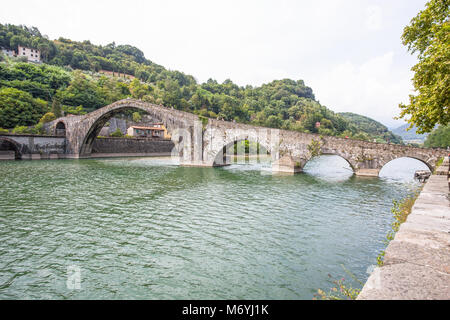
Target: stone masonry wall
{"x": 37, "y": 147}
{"x": 135, "y": 145}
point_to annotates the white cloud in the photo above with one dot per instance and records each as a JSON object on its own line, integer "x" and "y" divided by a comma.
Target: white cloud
{"x": 373, "y": 88}
{"x": 374, "y": 18}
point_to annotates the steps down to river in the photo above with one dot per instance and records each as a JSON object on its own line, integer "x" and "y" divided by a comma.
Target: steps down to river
{"x": 417, "y": 262}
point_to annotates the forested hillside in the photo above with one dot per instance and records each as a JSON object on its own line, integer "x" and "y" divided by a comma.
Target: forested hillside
{"x": 371, "y": 127}
{"x": 69, "y": 80}
{"x": 439, "y": 138}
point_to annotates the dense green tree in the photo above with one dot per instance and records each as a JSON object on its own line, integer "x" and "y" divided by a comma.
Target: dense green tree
{"x": 273, "y": 122}
{"x": 83, "y": 92}
{"x": 18, "y": 108}
{"x": 429, "y": 36}
{"x": 117, "y": 133}
{"x": 139, "y": 90}
{"x": 56, "y": 107}
{"x": 440, "y": 137}
{"x": 137, "y": 117}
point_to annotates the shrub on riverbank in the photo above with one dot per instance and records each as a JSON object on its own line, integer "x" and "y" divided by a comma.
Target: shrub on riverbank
{"x": 438, "y": 164}
{"x": 400, "y": 210}
{"x": 342, "y": 291}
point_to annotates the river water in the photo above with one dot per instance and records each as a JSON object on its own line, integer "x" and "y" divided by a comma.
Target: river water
{"x": 145, "y": 228}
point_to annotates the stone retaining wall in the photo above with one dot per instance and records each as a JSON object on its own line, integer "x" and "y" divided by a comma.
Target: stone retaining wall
{"x": 124, "y": 146}
{"x": 33, "y": 147}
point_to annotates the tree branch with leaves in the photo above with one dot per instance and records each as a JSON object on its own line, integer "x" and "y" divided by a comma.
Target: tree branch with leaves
{"x": 429, "y": 36}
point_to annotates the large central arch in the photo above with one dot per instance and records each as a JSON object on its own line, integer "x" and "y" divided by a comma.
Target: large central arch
{"x": 94, "y": 130}
{"x": 223, "y": 155}
{"x": 81, "y": 131}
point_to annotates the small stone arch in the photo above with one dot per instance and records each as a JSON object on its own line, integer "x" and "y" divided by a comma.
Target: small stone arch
{"x": 7, "y": 144}
{"x": 220, "y": 157}
{"x": 352, "y": 165}
{"x": 60, "y": 129}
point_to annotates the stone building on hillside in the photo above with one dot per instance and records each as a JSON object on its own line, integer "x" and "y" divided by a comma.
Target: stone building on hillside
{"x": 147, "y": 132}
{"x": 33, "y": 55}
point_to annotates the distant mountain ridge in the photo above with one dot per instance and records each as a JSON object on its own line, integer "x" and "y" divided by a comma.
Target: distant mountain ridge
{"x": 410, "y": 135}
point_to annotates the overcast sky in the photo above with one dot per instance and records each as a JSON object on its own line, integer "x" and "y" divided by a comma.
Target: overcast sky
{"x": 348, "y": 51}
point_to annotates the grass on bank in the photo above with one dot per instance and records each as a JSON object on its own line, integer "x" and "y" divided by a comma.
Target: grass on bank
{"x": 400, "y": 211}
{"x": 438, "y": 164}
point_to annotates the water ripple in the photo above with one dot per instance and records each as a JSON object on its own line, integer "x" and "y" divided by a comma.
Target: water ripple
{"x": 147, "y": 229}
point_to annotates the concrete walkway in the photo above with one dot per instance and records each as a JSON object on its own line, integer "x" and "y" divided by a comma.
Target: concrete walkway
{"x": 417, "y": 261}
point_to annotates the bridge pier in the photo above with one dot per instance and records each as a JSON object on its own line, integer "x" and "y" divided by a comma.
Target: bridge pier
{"x": 367, "y": 172}
{"x": 202, "y": 164}
{"x": 287, "y": 164}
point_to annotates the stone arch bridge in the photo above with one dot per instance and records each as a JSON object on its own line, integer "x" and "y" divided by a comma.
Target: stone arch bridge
{"x": 207, "y": 142}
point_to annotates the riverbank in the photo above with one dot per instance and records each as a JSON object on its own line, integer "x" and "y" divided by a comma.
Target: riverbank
{"x": 417, "y": 262}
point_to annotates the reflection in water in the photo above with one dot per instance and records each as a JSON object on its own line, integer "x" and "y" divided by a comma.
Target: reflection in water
{"x": 146, "y": 228}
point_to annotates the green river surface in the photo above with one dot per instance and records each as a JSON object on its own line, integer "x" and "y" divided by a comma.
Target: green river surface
{"x": 145, "y": 228}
